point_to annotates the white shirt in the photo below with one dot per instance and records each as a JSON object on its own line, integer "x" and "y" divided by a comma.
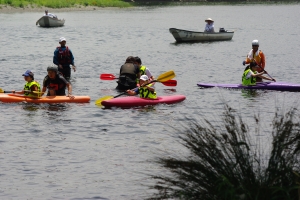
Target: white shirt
{"x": 50, "y": 15}
{"x": 148, "y": 73}
{"x": 209, "y": 27}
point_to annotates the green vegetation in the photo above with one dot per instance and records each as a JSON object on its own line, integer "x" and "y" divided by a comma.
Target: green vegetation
{"x": 228, "y": 161}
{"x": 64, "y": 3}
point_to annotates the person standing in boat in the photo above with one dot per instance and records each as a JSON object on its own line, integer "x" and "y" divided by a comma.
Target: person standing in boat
{"x": 129, "y": 73}
{"x": 63, "y": 58}
{"x": 50, "y": 14}
{"x": 250, "y": 75}
{"x": 143, "y": 69}
{"x": 209, "y": 27}
{"x": 30, "y": 86}
{"x": 146, "y": 90}
{"x": 56, "y": 83}
{"x": 257, "y": 56}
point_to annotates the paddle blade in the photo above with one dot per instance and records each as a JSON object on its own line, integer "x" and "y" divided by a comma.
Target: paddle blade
{"x": 99, "y": 101}
{"x": 107, "y": 77}
{"x": 1, "y": 91}
{"x": 170, "y": 83}
{"x": 166, "y": 76}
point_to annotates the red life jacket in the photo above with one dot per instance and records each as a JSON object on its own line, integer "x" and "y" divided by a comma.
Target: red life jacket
{"x": 64, "y": 56}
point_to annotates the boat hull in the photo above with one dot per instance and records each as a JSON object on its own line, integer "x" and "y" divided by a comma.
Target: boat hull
{"x": 14, "y": 98}
{"x": 279, "y": 86}
{"x": 47, "y": 21}
{"x": 192, "y": 36}
{"x": 134, "y": 101}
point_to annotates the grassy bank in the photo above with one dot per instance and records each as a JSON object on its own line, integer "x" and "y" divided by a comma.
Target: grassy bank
{"x": 64, "y": 3}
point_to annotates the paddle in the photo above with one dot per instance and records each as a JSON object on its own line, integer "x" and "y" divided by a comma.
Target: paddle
{"x": 264, "y": 70}
{"x": 112, "y": 77}
{"x": 2, "y": 91}
{"x": 161, "y": 78}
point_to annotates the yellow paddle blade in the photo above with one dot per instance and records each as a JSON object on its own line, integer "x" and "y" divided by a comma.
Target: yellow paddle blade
{"x": 1, "y": 91}
{"x": 99, "y": 101}
{"x": 166, "y": 76}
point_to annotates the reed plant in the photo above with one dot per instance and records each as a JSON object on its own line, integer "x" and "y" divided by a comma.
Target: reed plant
{"x": 65, "y": 3}
{"x": 228, "y": 162}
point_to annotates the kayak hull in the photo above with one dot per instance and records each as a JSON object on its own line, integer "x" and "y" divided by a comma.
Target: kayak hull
{"x": 14, "y": 98}
{"x": 279, "y": 86}
{"x": 133, "y": 101}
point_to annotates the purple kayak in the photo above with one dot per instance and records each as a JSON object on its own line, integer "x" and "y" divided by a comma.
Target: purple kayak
{"x": 280, "y": 86}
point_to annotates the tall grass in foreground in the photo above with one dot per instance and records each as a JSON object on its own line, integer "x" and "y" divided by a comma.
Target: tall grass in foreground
{"x": 65, "y": 3}
{"x": 224, "y": 163}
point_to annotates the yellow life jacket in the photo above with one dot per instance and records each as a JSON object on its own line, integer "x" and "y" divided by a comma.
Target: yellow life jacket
{"x": 28, "y": 86}
{"x": 145, "y": 93}
{"x": 249, "y": 81}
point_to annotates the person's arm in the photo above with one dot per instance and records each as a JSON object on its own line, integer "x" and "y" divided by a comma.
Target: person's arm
{"x": 133, "y": 91}
{"x": 69, "y": 87}
{"x": 72, "y": 60}
{"x": 263, "y": 59}
{"x": 55, "y": 57}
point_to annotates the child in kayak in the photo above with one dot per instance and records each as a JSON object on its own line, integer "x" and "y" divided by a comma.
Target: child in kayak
{"x": 145, "y": 91}
{"x": 250, "y": 74}
{"x": 31, "y": 86}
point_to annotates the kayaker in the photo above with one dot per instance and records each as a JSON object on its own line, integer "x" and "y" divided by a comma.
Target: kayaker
{"x": 56, "y": 83}
{"x": 30, "y": 85}
{"x": 50, "y": 14}
{"x": 63, "y": 58}
{"x": 146, "y": 90}
{"x": 257, "y": 56}
{"x": 250, "y": 75}
{"x": 143, "y": 69}
{"x": 129, "y": 72}
{"x": 209, "y": 27}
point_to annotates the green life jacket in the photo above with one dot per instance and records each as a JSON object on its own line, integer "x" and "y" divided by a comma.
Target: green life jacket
{"x": 145, "y": 93}
{"x": 142, "y": 72}
{"x": 249, "y": 81}
{"x": 28, "y": 86}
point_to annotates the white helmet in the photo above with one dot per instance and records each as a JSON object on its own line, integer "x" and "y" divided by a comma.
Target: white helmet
{"x": 255, "y": 43}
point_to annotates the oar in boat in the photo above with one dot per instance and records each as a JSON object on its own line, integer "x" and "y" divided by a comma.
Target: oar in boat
{"x": 161, "y": 78}
{"x": 112, "y": 77}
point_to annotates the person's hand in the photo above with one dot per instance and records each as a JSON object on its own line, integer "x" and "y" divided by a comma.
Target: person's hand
{"x": 60, "y": 66}
{"x": 74, "y": 68}
{"x": 273, "y": 80}
{"x": 71, "y": 96}
{"x": 244, "y": 62}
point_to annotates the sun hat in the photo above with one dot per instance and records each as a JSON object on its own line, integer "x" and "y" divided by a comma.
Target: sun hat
{"x": 28, "y": 73}
{"x": 209, "y": 19}
{"x": 62, "y": 39}
{"x": 144, "y": 78}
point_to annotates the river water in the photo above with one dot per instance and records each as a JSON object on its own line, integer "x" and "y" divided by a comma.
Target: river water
{"x": 80, "y": 151}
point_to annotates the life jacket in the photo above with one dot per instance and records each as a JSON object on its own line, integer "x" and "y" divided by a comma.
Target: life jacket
{"x": 64, "y": 56}
{"x": 58, "y": 84}
{"x": 249, "y": 81}
{"x": 127, "y": 75}
{"x": 28, "y": 86}
{"x": 142, "y": 72}
{"x": 258, "y": 57}
{"x": 145, "y": 93}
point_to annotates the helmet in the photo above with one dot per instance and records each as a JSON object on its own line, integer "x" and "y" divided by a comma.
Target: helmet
{"x": 52, "y": 68}
{"x": 255, "y": 43}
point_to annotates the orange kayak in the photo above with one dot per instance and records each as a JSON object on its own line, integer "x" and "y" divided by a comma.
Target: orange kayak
{"x": 12, "y": 98}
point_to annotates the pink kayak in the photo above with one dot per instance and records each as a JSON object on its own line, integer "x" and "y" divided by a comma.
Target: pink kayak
{"x": 133, "y": 101}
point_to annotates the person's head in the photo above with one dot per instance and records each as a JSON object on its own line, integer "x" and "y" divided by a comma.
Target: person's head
{"x": 52, "y": 71}
{"x": 46, "y": 11}
{"x": 62, "y": 41}
{"x": 253, "y": 66}
{"x": 209, "y": 20}
{"x": 255, "y": 45}
{"x": 143, "y": 79}
{"x": 138, "y": 61}
{"x": 28, "y": 76}
{"x": 130, "y": 59}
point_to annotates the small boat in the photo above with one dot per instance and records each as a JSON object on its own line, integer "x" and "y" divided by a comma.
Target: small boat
{"x": 47, "y": 21}
{"x": 279, "y": 86}
{"x": 134, "y": 101}
{"x": 192, "y": 36}
{"x": 14, "y": 98}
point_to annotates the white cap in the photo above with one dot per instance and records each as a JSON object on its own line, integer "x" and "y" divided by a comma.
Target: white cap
{"x": 255, "y": 43}
{"x": 144, "y": 77}
{"x": 62, "y": 39}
